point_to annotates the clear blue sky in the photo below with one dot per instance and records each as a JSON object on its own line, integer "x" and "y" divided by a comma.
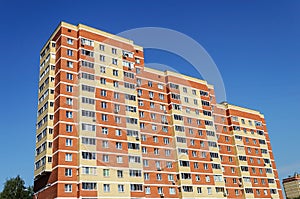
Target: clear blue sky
{"x": 255, "y": 44}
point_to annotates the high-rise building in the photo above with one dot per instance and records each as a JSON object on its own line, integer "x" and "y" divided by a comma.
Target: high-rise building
{"x": 291, "y": 186}
{"x": 109, "y": 127}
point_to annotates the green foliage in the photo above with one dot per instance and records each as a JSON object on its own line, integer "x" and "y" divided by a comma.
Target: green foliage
{"x": 14, "y": 188}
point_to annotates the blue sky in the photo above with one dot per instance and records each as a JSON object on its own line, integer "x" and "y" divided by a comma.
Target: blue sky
{"x": 255, "y": 45}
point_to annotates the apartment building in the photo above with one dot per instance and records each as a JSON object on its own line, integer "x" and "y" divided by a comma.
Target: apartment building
{"x": 109, "y": 127}
{"x": 291, "y": 186}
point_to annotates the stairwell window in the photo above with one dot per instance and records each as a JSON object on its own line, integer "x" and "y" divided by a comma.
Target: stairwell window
{"x": 69, "y": 76}
{"x": 69, "y": 114}
{"x": 68, "y": 172}
{"x": 70, "y": 41}
{"x": 70, "y": 52}
{"x": 68, "y": 157}
{"x": 68, "y": 188}
{"x": 70, "y": 64}
{"x": 69, "y": 142}
{"x": 69, "y": 88}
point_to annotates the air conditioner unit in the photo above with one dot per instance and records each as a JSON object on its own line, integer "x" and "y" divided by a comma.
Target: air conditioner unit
{"x": 162, "y": 195}
{"x": 137, "y": 138}
{"x": 159, "y": 169}
{"x": 225, "y": 194}
{"x": 94, "y": 120}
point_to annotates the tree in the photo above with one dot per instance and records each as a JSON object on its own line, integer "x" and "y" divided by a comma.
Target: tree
{"x": 14, "y": 188}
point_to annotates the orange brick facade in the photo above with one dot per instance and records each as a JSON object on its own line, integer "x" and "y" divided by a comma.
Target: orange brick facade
{"x": 116, "y": 129}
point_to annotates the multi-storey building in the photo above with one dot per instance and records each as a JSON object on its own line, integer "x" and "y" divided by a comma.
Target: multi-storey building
{"x": 291, "y": 186}
{"x": 109, "y": 127}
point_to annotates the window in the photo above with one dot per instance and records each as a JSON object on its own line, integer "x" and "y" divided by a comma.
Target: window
{"x": 88, "y": 156}
{"x": 199, "y": 190}
{"x": 195, "y": 101}
{"x": 106, "y": 187}
{"x": 89, "y": 170}
{"x": 69, "y": 76}
{"x": 160, "y": 86}
{"x": 114, "y": 51}
{"x": 205, "y": 166}
{"x": 119, "y": 159}
{"x": 147, "y": 190}
{"x": 68, "y": 188}
{"x": 70, "y": 41}
{"x": 101, "y": 47}
{"x": 121, "y": 188}
{"x": 70, "y": 52}
{"x": 88, "y": 88}
{"x": 186, "y": 99}
{"x": 104, "y": 117}
{"x": 166, "y": 140}
{"x": 102, "y": 80}
{"x": 118, "y": 145}
{"x": 89, "y": 141}
{"x": 87, "y": 42}
{"x": 161, "y": 96}
{"x": 68, "y": 157}
{"x": 104, "y": 144}
{"x": 87, "y": 64}
{"x": 102, "y": 58}
{"x": 159, "y": 190}
{"x": 104, "y": 130}
{"x": 236, "y": 192}
{"x": 145, "y": 163}
{"x": 172, "y": 191}
{"x": 116, "y": 95}
{"x": 69, "y": 128}
{"x": 69, "y": 101}
{"x": 105, "y": 172}
{"x": 102, "y": 69}
{"x": 87, "y": 53}
{"x": 114, "y": 61}
{"x": 70, "y": 64}
{"x": 187, "y": 188}
{"x": 68, "y": 172}
{"x": 105, "y": 158}
{"x": 205, "y": 103}
{"x": 89, "y": 186}
{"x": 116, "y": 84}
{"x": 69, "y": 142}
{"x": 203, "y": 93}
{"x": 69, "y": 88}
{"x": 136, "y": 187}
{"x": 115, "y": 72}
{"x": 120, "y": 173}
{"x": 232, "y": 170}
